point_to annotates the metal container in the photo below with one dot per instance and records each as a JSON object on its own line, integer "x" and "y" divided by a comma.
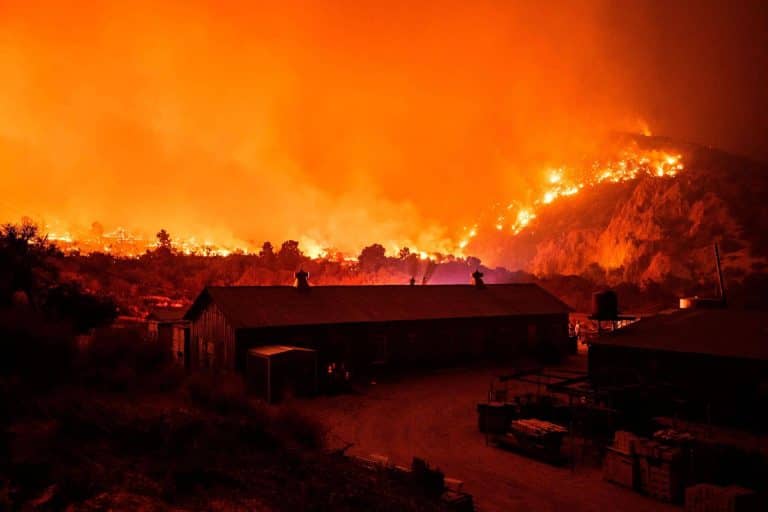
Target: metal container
{"x": 605, "y": 305}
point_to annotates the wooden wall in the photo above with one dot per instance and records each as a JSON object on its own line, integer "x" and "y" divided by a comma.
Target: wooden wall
{"x": 212, "y": 340}
{"x": 416, "y": 342}
{"x": 214, "y": 343}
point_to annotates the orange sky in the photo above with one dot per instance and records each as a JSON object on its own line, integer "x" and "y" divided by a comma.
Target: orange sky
{"x": 345, "y": 122}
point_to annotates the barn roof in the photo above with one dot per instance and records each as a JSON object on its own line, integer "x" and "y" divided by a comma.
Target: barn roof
{"x": 265, "y": 306}
{"x": 168, "y": 315}
{"x": 717, "y": 332}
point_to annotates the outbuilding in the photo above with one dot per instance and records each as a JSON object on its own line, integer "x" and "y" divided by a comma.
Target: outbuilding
{"x": 275, "y": 372}
{"x": 168, "y": 327}
{"x": 711, "y": 364}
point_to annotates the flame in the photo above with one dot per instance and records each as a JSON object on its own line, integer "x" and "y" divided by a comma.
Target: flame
{"x": 564, "y": 181}
{"x": 631, "y": 163}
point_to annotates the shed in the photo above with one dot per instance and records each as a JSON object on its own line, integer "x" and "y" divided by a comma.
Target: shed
{"x": 168, "y": 327}
{"x": 274, "y": 372}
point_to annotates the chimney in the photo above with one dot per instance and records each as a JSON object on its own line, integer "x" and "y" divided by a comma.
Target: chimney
{"x": 478, "y": 277}
{"x": 302, "y": 280}
{"x": 412, "y": 281}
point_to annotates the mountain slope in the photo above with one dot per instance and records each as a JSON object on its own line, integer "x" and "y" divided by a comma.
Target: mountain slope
{"x": 649, "y": 229}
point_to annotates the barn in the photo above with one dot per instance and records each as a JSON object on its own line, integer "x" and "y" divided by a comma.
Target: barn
{"x": 705, "y": 364}
{"x": 360, "y": 327}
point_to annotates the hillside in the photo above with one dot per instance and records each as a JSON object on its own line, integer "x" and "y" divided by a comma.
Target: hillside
{"x": 650, "y": 229}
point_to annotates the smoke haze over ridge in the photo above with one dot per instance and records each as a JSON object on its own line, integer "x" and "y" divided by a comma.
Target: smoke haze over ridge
{"x": 349, "y": 122}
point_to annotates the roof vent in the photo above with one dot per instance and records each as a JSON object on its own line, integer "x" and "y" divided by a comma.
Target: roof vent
{"x": 478, "y": 277}
{"x": 302, "y": 280}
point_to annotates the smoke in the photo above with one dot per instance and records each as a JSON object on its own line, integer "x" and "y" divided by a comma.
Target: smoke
{"x": 338, "y": 125}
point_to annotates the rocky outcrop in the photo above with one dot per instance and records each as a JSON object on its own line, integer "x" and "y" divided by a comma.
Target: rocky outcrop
{"x": 649, "y": 229}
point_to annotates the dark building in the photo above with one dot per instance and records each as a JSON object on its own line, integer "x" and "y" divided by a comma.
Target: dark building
{"x": 706, "y": 364}
{"x": 275, "y": 371}
{"x": 357, "y": 327}
{"x": 168, "y": 327}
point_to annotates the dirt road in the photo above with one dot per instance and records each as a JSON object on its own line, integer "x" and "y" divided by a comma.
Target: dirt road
{"x": 433, "y": 416}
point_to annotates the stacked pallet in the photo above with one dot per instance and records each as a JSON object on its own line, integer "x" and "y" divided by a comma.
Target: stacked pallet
{"x": 537, "y": 428}
{"x": 619, "y": 468}
{"x": 624, "y": 442}
{"x": 534, "y": 437}
{"x": 714, "y": 498}
{"x": 659, "y": 470}
{"x": 619, "y": 462}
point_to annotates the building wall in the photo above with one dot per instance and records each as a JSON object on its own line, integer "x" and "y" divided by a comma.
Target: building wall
{"x": 214, "y": 343}
{"x": 359, "y": 346}
{"x": 212, "y": 340}
{"x": 724, "y": 389}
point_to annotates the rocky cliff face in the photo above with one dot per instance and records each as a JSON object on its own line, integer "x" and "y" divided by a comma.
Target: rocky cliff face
{"x": 649, "y": 229}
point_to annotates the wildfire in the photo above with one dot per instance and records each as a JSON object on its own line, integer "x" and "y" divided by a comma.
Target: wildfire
{"x": 630, "y": 164}
{"x": 513, "y": 218}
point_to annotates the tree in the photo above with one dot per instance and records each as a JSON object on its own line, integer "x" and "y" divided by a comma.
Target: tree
{"x": 26, "y": 262}
{"x": 84, "y": 310}
{"x": 164, "y": 244}
{"x": 267, "y": 255}
{"x": 289, "y": 256}
{"x": 164, "y": 240}
{"x": 372, "y": 258}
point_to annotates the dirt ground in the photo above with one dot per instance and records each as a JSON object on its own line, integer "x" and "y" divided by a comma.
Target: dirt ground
{"x": 433, "y": 416}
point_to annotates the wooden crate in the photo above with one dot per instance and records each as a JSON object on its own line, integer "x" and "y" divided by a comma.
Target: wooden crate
{"x": 619, "y": 468}
{"x": 659, "y": 479}
{"x": 624, "y": 441}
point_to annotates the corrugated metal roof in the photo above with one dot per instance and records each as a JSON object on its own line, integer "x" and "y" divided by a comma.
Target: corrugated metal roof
{"x": 265, "y": 306}
{"x": 718, "y": 332}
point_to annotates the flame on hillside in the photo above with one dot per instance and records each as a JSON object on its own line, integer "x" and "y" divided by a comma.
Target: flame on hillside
{"x": 513, "y": 218}
{"x": 564, "y": 181}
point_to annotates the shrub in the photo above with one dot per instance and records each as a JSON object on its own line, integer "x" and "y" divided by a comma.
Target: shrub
{"x": 223, "y": 393}
{"x": 295, "y": 428}
{"x": 36, "y": 351}
{"x": 124, "y": 360}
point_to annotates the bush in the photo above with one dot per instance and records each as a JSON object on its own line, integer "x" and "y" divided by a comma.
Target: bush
{"x": 295, "y": 428}
{"x": 38, "y": 352}
{"x": 223, "y": 393}
{"x": 125, "y": 360}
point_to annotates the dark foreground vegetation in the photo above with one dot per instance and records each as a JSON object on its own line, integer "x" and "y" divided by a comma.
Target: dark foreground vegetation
{"x": 113, "y": 424}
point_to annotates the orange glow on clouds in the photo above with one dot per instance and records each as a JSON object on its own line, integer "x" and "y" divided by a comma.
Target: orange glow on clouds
{"x": 338, "y": 125}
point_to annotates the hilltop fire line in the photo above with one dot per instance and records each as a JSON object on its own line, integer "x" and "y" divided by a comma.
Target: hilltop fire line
{"x": 629, "y": 163}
